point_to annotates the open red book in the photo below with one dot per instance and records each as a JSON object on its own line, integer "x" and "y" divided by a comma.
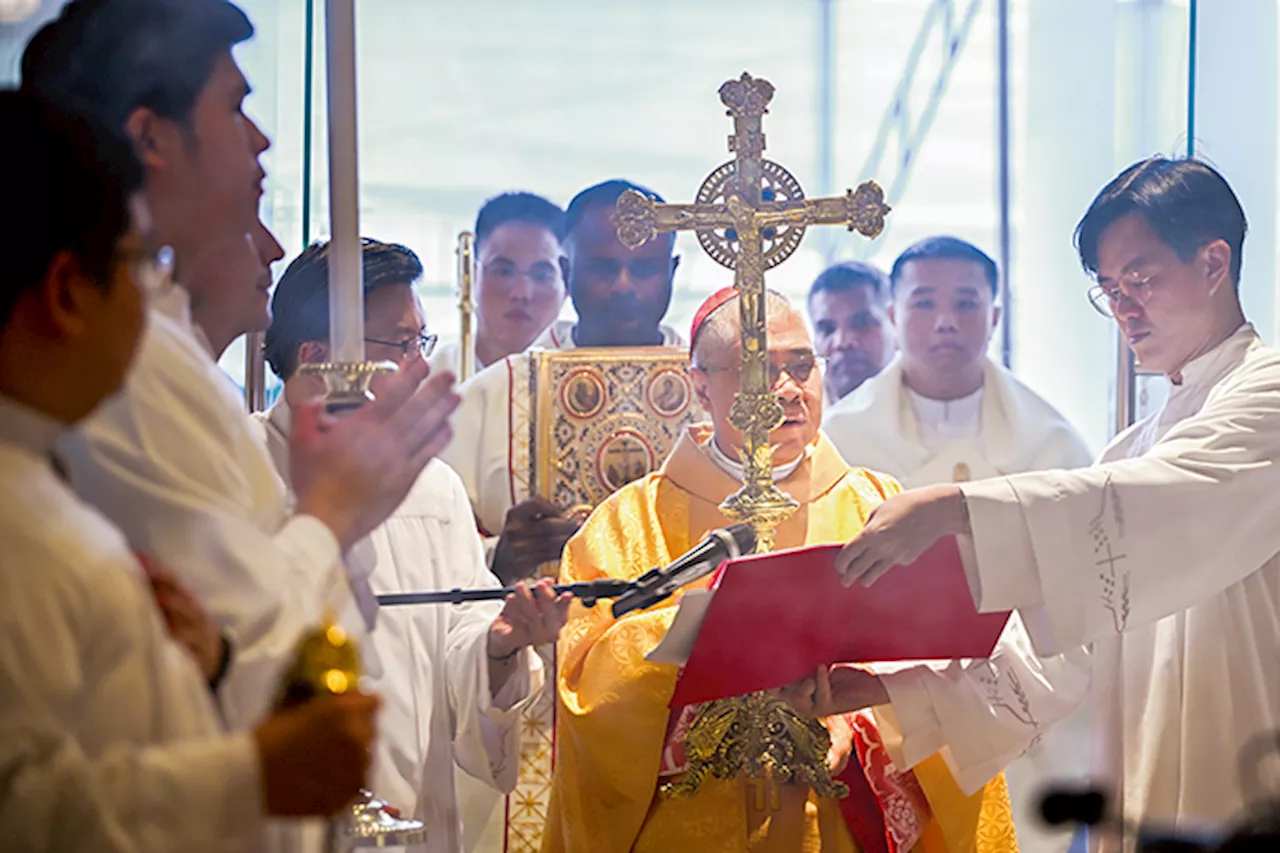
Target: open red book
{"x": 771, "y": 619}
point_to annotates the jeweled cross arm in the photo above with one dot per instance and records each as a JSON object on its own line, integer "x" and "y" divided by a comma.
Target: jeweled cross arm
{"x": 640, "y": 218}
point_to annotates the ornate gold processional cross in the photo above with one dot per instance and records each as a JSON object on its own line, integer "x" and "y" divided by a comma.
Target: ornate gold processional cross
{"x": 750, "y": 215}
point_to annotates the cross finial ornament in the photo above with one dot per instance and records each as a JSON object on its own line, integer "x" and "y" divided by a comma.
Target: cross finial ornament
{"x": 750, "y": 215}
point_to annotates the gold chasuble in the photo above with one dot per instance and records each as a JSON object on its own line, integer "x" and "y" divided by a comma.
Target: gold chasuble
{"x": 613, "y": 732}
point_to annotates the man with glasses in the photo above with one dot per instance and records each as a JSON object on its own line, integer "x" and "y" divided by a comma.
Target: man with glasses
{"x": 174, "y": 460}
{"x": 454, "y": 678}
{"x": 943, "y": 412}
{"x": 111, "y": 738}
{"x": 621, "y": 296}
{"x": 519, "y": 282}
{"x": 612, "y": 703}
{"x": 1163, "y": 559}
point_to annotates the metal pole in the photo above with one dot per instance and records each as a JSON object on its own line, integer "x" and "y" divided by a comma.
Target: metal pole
{"x": 826, "y": 117}
{"x": 1193, "y": 18}
{"x": 255, "y": 372}
{"x": 308, "y": 71}
{"x": 1004, "y": 181}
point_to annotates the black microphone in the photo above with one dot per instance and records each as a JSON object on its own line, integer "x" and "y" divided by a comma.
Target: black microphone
{"x": 726, "y": 543}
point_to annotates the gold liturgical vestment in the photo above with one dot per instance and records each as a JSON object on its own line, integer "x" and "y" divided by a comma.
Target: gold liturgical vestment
{"x": 612, "y": 717}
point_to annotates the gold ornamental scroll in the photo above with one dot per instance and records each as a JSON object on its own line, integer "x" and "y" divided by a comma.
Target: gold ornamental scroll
{"x": 602, "y": 418}
{"x": 750, "y": 215}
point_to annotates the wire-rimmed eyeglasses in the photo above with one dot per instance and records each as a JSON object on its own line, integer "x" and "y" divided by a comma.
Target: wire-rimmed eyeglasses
{"x": 423, "y": 344}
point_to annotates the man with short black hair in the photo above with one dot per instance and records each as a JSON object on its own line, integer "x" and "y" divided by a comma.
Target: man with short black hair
{"x": 519, "y": 285}
{"x": 849, "y": 310}
{"x": 454, "y": 678}
{"x": 943, "y": 411}
{"x": 1164, "y": 557}
{"x": 621, "y": 296}
{"x": 175, "y": 461}
{"x": 117, "y": 720}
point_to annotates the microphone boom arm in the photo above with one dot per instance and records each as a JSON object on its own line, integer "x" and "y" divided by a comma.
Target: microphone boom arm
{"x": 588, "y": 592}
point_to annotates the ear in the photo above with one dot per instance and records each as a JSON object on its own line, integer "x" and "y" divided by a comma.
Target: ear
{"x": 1217, "y": 258}
{"x": 69, "y": 298}
{"x": 152, "y": 138}
{"x": 313, "y": 352}
{"x": 995, "y": 316}
{"x": 701, "y": 388}
{"x": 564, "y": 271}
{"x": 893, "y": 314}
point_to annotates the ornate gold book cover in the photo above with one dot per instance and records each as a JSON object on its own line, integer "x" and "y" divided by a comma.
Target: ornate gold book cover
{"x": 605, "y": 417}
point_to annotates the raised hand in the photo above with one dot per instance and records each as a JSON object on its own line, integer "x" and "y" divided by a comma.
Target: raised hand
{"x": 900, "y": 530}
{"x": 314, "y": 756}
{"x": 189, "y": 624}
{"x": 532, "y": 616}
{"x": 533, "y": 533}
{"x": 351, "y": 472}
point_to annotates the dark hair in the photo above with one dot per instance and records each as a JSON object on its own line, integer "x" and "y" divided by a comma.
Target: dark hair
{"x": 110, "y": 57}
{"x": 300, "y": 306}
{"x": 520, "y": 207}
{"x": 847, "y": 275}
{"x": 66, "y": 184}
{"x": 1186, "y": 202}
{"x": 945, "y": 248}
{"x": 602, "y": 194}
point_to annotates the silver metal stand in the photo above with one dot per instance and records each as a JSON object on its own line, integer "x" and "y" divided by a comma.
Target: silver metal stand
{"x": 368, "y": 823}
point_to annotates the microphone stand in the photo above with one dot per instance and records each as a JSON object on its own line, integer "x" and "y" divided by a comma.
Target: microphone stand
{"x": 588, "y": 592}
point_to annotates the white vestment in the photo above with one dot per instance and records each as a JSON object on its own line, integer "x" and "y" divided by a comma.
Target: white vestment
{"x": 177, "y": 464}
{"x": 437, "y": 703}
{"x": 449, "y": 357}
{"x": 1002, "y": 428}
{"x": 84, "y": 656}
{"x": 1165, "y": 558}
{"x": 878, "y": 427}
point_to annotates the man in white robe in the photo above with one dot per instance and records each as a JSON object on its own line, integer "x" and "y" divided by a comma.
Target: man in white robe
{"x": 174, "y": 460}
{"x": 621, "y": 296}
{"x": 518, "y": 287}
{"x": 452, "y": 684}
{"x": 944, "y": 412}
{"x": 101, "y": 710}
{"x": 1164, "y": 557}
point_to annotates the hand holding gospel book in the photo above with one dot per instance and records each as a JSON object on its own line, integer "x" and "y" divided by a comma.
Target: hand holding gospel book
{"x": 771, "y": 619}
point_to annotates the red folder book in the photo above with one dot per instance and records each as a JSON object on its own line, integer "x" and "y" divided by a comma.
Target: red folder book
{"x": 775, "y": 617}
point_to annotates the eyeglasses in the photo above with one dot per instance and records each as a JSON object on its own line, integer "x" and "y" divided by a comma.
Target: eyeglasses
{"x": 423, "y": 344}
{"x": 150, "y": 268}
{"x": 506, "y": 274}
{"x": 1136, "y": 288}
{"x": 799, "y": 370}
